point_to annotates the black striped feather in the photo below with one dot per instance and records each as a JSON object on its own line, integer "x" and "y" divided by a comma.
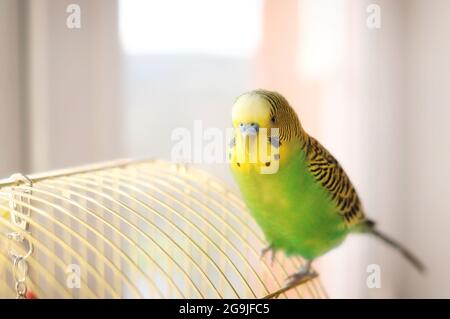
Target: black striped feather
{"x": 329, "y": 173}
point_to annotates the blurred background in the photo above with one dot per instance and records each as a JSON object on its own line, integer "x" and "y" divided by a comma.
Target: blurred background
{"x": 375, "y": 92}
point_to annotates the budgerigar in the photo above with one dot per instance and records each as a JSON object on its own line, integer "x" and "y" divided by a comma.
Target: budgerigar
{"x": 308, "y": 205}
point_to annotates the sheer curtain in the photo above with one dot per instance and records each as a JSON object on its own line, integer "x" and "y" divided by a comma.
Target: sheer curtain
{"x": 11, "y": 100}
{"x": 60, "y": 86}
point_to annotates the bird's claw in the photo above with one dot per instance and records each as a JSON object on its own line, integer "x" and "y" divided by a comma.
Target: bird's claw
{"x": 302, "y": 276}
{"x": 299, "y": 278}
{"x": 293, "y": 281}
{"x": 273, "y": 253}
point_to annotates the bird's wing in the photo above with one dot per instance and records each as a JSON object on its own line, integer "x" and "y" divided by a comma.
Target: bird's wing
{"x": 328, "y": 172}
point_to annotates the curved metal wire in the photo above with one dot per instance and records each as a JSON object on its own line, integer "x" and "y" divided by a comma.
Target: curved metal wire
{"x": 51, "y": 256}
{"x": 193, "y": 177}
{"x": 69, "y": 249}
{"x": 222, "y": 221}
{"x": 192, "y": 225}
{"x": 136, "y": 228}
{"x": 230, "y": 215}
{"x": 149, "y": 229}
{"x": 209, "y": 224}
{"x": 103, "y": 237}
{"x": 317, "y": 290}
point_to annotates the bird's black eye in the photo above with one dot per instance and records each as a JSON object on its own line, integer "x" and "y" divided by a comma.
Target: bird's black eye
{"x": 241, "y": 124}
{"x": 273, "y": 119}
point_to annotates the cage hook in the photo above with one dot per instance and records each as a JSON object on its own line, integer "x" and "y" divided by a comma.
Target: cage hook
{"x": 17, "y": 212}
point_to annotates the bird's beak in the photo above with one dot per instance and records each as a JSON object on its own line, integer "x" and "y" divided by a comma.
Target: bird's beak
{"x": 251, "y": 129}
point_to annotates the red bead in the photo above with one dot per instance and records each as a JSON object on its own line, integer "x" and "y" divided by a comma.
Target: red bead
{"x": 30, "y": 295}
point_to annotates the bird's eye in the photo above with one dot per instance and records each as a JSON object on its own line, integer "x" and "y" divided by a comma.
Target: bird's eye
{"x": 273, "y": 119}
{"x": 241, "y": 124}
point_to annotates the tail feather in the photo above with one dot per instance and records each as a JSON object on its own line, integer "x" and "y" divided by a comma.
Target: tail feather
{"x": 393, "y": 243}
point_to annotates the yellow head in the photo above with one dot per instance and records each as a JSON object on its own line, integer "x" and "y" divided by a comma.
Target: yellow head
{"x": 264, "y": 125}
{"x": 265, "y": 109}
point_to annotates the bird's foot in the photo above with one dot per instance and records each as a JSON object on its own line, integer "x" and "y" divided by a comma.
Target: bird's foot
{"x": 304, "y": 275}
{"x": 272, "y": 251}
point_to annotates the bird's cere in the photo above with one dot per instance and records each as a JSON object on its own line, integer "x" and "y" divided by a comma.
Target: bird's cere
{"x": 249, "y": 129}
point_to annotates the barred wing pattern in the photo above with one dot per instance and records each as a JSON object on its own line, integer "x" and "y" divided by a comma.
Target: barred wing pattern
{"x": 329, "y": 173}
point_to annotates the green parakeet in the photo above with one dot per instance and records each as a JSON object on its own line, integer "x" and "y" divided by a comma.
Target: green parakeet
{"x": 307, "y": 205}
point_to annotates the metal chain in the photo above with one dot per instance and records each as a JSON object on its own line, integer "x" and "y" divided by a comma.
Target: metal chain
{"x": 18, "y": 212}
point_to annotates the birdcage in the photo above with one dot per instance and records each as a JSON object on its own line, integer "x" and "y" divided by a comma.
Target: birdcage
{"x": 134, "y": 229}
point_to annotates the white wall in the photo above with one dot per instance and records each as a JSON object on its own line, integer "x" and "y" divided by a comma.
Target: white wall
{"x": 73, "y": 84}
{"x": 11, "y": 100}
{"x": 60, "y": 94}
{"x": 426, "y": 212}
{"x": 401, "y": 170}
